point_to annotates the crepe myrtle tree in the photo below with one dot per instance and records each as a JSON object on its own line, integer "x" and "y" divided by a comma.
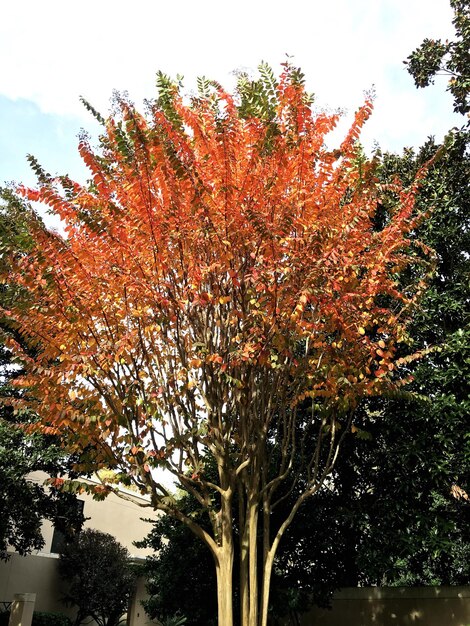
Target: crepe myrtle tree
{"x": 221, "y": 268}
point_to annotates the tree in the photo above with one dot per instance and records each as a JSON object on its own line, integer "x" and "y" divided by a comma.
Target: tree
{"x": 25, "y": 504}
{"x": 377, "y": 526}
{"x": 451, "y": 58}
{"x": 310, "y": 564}
{"x": 429, "y": 542}
{"x": 221, "y": 269}
{"x": 100, "y": 577}
{"x": 181, "y": 561}
{"x": 398, "y": 507}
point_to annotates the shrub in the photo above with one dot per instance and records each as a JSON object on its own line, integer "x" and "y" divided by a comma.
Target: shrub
{"x": 41, "y": 618}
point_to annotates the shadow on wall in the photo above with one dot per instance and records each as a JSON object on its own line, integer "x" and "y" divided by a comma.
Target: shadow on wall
{"x": 395, "y": 606}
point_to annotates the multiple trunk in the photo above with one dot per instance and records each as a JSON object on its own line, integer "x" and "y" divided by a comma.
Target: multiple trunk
{"x": 254, "y": 581}
{"x": 258, "y": 542}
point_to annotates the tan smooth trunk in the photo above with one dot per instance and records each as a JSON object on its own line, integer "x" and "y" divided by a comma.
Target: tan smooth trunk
{"x": 224, "y": 587}
{"x": 253, "y": 563}
{"x": 244, "y": 559}
{"x": 265, "y": 587}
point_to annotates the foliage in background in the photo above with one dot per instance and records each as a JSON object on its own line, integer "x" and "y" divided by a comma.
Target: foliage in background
{"x": 418, "y": 464}
{"x": 180, "y": 561}
{"x": 24, "y": 503}
{"x": 100, "y": 577}
{"x": 398, "y": 512}
{"x": 40, "y": 618}
{"x": 450, "y": 58}
{"x": 43, "y": 618}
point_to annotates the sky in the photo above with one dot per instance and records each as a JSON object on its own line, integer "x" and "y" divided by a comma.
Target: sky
{"x": 53, "y": 51}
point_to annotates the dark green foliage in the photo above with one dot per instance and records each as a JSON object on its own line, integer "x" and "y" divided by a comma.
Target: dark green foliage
{"x": 91, "y": 109}
{"x": 413, "y": 530}
{"x": 100, "y": 576}
{"x": 451, "y": 58}
{"x": 166, "y": 88}
{"x": 409, "y": 528}
{"x": 258, "y": 97}
{"x": 181, "y": 562}
{"x": 24, "y": 504}
{"x": 175, "y": 620}
{"x": 392, "y": 516}
{"x": 50, "y": 619}
{"x": 40, "y": 618}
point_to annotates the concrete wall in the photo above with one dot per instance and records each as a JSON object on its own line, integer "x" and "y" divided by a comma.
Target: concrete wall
{"x": 395, "y": 606}
{"x": 136, "y": 615}
{"x": 117, "y": 516}
{"x": 33, "y": 574}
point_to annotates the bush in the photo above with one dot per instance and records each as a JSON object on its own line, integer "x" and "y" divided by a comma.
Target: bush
{"x": 40, "y": 618}
{"x": 50, "y": 619}
{"x": 100, "y": 576}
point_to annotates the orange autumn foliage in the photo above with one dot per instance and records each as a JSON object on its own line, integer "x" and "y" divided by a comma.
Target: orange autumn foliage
{"x": 204, "y": 253}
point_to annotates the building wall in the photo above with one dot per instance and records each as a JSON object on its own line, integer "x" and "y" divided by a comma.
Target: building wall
{"x": 379, "y": 606}
{"x": 119, "y": 517}
{"x": 136, "y": 615}
{"x": 39, "y": 574}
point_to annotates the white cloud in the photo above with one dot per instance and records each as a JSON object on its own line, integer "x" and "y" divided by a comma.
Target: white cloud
{"x": 55, "y": 50}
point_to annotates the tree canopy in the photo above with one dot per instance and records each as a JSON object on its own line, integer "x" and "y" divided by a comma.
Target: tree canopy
{"x": 449, "y": 58}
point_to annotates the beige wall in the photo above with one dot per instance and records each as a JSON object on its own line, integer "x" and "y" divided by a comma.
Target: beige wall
{"x": 375, "y": 606}
{"x": 136, "y": 615}
{"x": 120, "y": 518}
{"x": 33, "y": 574}
{"x": 38, "y": 574}
{"x": 115, "y": 515}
